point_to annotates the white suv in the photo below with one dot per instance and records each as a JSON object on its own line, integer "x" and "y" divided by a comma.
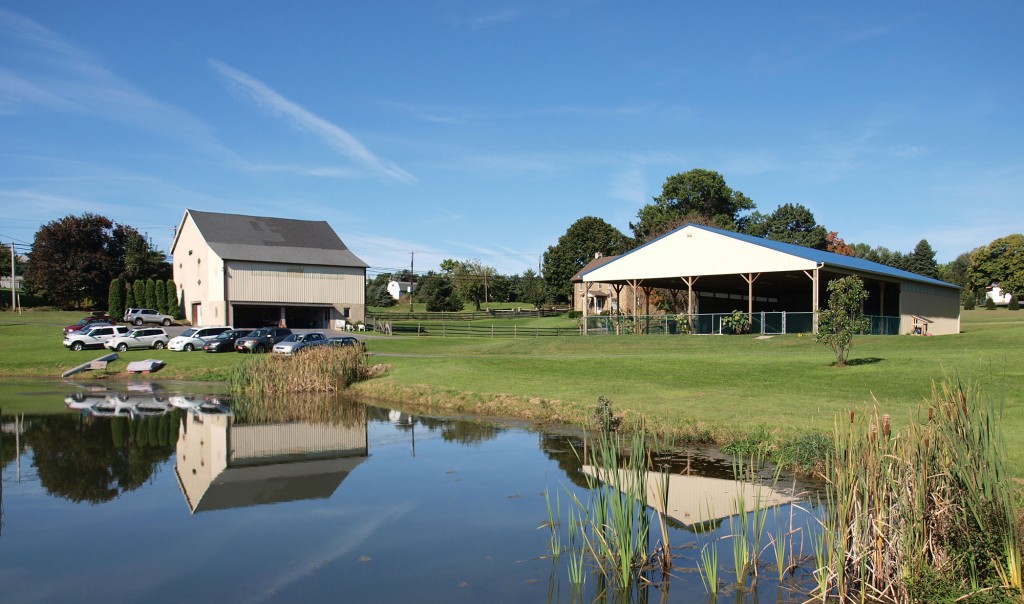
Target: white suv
{"x": 195, "y": 337}
{"x": 146, "y": 337}
{"x": 138, "y": 316}
{"x": 93, "y": 337}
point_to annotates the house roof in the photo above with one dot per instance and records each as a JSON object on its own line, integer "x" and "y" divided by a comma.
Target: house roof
{"x": 279, "y": 240}
{"x": 697, "y": 250}
{"x": 596, "y": 262}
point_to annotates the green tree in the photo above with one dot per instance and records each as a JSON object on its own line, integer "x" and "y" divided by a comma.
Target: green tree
{"x": 71, "y": 261}
{"x": 115, "y": 299}
{"x": 139, "y": 259}
{"x": 150, "y": 293}
{"x": 129, "y": 297}
{"x": 160, "y": 295}
{"x": 5, "y": 260}
{"x": 139, "y": 289}
{"x": 581, "y": 241}
{"x": 922, "y": 260}
{"x": 789, "y": 223}
{"x": 1013, "y": 304}
{"x": 881, "y": 255}
{"x": 470, "y": 278}
{"x": 1002, "y": 262}
{"x": 173, "y": 305}
{"x": 439, "y": 294}
{"x": 699, "y": 196}
{"x": 532, "y": 289}
{"x": 955, "y": 272}
{"x": 843, "y": 318}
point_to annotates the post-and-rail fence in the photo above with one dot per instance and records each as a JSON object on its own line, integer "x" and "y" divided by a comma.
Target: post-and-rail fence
{"x": 450, "y": 325}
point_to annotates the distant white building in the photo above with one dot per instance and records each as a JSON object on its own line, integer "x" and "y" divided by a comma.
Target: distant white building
{"x": 5, "y": 282}
{"x": 397, "y": 288}
{"x": 997, "y": 295}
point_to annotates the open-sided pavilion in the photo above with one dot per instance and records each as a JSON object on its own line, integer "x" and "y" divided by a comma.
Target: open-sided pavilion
{"x": 722, "y": 271}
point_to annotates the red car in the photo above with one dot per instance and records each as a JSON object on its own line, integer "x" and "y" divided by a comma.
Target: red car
{"x": 87, "y": 321}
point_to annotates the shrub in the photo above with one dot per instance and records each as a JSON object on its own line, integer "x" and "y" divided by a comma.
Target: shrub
{"x": 604, "y": 417}
{"x": 736, "y": 323}
{"x": 1014, "y": 304}
{"x": 574, "y": 314}
{"x": 990, "y": 304}
{"x": 843, "y": 318}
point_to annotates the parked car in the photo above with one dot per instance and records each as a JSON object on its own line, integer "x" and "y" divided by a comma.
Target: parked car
{"x": 262, "y": 340}
{"x": 138, "y": 316}
{"x": 225, "y": 342}
{"x": 346, "y": 341}
{"x": 195, "y": 337}
{"x": 93, "y": 337}
{"x": 100, "y": 319}
{"x": 299, "y": 341}
{"x": 147, "y": 337}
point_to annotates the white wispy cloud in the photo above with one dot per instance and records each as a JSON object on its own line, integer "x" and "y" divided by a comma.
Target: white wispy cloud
{"x": 57, "y": 74}
{"x": 338, "y": 138}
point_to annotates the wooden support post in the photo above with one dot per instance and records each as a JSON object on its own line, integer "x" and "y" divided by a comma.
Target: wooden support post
{"x": 814, "y": 276}
{"x": 690, "y": 282}
{"x": 750, "y": 278}
{"x": 586, "y": 306}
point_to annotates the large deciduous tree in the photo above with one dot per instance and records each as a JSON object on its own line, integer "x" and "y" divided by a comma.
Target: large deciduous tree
{"x": 74, "y": 258}
{"x": 72, "y": 261}
{"x": 582, "y": 240}
{"x": 789, "y": 223}
{"x": 470, "y": 278}
{"x": 700, "y": 196}
{"x": 1002, "y": 262}
{"x": 843, "y": 318}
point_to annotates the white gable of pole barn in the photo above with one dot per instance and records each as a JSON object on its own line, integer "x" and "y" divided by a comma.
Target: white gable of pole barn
{"x": 725, "y": 271}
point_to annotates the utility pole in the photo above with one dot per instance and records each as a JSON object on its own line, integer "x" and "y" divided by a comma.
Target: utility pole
{"x": 412, "y": 277}
{"x": 13, "y": 304}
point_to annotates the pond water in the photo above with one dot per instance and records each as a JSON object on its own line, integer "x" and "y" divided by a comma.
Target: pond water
{"x": 160, "y": 494}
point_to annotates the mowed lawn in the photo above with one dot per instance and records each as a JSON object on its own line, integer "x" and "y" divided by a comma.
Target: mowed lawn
{"x": 729, "y": 385}
{"x": 724, "y": 385}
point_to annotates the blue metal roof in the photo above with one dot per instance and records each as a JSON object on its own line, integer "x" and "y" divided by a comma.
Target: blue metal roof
{"x": 818, "y": 256}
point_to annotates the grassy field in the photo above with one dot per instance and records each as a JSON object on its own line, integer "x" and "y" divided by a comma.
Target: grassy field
{"x": 706, "y": 387}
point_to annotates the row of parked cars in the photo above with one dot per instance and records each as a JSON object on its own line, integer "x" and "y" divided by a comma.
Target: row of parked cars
{"x": 210, "y": 339}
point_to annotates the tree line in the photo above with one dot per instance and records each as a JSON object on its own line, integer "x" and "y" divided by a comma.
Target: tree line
{"x": 703, "y": 197}
{"x": 75, "y": 260}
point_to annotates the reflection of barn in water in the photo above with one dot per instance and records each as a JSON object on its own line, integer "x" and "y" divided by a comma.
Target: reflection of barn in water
{"x": 222, "y": 465}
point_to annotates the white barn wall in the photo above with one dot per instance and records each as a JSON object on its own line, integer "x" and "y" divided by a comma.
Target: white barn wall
{"x": 264, "y": 282}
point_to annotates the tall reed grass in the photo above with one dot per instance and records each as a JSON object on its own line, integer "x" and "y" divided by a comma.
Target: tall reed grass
{"x": 930, "y": 508}
{"x": 320, "y": 369}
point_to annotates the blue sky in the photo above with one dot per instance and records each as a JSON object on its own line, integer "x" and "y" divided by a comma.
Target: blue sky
{"x": 480, "y": 129}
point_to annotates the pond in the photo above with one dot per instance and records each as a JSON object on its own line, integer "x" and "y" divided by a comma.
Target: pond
{"x": 160, "y": 493}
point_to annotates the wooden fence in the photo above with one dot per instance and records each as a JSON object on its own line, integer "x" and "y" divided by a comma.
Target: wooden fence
{"x": 515, "y": 313}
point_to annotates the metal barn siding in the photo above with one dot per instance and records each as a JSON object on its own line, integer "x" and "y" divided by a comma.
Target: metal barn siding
{"x": 941, "y": 305}
{"x": 275, "y": 283}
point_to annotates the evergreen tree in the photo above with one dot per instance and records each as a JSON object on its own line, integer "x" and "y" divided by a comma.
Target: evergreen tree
{"x": 129, "y": 297}
{"x": 160, "y": 293}
{"x": 1013, "y": 304}
{"x": 990, "y": 304}
{"x": 150, "y": 293}
{"x": 139, "y": 289}
{"x": 922, "y": 260}
{"x": 173, "y": 304}
{"x": 115, "y": 299}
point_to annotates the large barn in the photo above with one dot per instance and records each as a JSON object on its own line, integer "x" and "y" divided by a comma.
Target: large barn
{"x": 721, "y": 271}
{"x": 250, "y": 271}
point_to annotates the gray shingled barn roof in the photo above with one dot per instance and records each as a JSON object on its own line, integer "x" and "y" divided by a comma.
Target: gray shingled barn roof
{"x": 281, "y": 240}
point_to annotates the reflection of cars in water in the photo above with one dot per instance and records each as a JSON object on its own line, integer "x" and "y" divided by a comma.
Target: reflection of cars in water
{"x": 200, "y": 405}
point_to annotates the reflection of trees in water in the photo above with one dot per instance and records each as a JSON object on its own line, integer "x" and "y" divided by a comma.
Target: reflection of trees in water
{"x": 97, "y": 459}
{"x": 316, "y": 407}
{"x": 461, "y": 431}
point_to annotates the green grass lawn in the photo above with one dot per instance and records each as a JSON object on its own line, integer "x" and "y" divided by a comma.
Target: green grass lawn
{"x": 729, "y": 385}
{"x": 725, "y": 385}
